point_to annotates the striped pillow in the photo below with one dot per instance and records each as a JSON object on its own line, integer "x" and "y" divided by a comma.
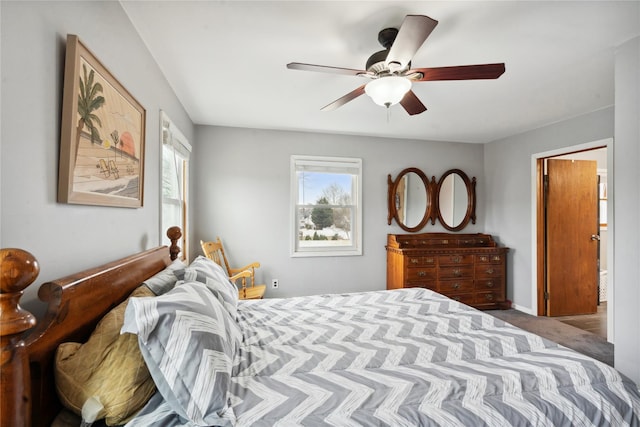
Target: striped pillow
{"x": 188, "y": 341}
{"x": 206, "y": 271}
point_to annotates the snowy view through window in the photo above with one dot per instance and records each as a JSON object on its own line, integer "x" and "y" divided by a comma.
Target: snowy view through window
{"x": 324, "y": 209}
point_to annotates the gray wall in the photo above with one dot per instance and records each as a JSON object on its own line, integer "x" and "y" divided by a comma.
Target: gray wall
{"x": 626, "y": 229}
{"x": 68, "y": 238}
{"x": 241, "y": 183}
{"x": 509, "y": 181}
{"x": 509, "y": 186}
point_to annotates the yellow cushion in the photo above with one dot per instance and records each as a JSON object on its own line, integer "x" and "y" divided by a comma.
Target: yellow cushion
{"x": 109, "y": 365}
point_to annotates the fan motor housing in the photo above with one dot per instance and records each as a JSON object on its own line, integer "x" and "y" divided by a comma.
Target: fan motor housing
{"x": 387, "y": 36}
{"x": 376, "y": 62}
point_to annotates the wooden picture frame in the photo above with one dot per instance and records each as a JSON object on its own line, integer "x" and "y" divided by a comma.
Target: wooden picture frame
{"x": 102, "y": 135}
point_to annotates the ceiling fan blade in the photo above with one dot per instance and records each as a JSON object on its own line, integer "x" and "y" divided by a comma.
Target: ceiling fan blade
{"x": 414, "y": 31}
{"x": 343, "y": 100}
{"x": 324, "y": 69}
{"x": 461, "y": 72}
{"x": 412, "y": 104}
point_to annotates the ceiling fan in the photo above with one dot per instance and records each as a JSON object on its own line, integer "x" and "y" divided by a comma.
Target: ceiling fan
{"x": 390, "y": 69}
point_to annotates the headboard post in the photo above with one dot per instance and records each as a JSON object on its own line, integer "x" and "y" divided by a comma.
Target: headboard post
{"x": 75, "y": 304}
{"x": 174, "y": 234}
{"x": 18, "y": 269}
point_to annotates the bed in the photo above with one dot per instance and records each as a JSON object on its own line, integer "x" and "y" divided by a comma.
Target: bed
{"x": 407, "y": 357}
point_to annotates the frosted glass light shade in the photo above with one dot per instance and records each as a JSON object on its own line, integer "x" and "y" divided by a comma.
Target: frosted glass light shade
{"x": 388, "y": 91}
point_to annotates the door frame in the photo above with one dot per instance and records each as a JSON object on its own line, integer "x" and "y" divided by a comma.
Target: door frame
{"x": 537, "y": 225}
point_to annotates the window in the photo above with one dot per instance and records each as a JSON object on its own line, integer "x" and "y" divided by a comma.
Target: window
{"x": 175, "y": 167}
{"x": 326, "y": 198}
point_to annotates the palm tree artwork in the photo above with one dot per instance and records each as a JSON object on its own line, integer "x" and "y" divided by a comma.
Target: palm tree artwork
{"x": 89, "y": 100}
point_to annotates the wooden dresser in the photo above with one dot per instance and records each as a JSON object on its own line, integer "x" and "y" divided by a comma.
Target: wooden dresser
{"x": 470, "y": 268}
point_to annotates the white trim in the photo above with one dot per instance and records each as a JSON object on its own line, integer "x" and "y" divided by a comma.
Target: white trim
{"x": 524, "y": 309}
{"x": 610, "y": 242}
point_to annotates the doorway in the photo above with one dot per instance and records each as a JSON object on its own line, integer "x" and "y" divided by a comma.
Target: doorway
{"x": 599, "y": 295}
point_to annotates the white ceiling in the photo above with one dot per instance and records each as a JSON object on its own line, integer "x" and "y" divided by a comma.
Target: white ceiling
{"x": 226, "y": 61}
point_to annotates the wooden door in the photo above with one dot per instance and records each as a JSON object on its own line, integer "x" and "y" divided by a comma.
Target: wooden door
{"x": 572, "y": 233}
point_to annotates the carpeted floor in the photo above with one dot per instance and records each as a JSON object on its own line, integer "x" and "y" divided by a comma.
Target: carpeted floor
{"x": 581, "y": 341}
{"x": 595, "y": 323}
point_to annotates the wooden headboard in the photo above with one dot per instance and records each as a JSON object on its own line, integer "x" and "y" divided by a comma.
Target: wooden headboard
{"x": 75, "y": 305}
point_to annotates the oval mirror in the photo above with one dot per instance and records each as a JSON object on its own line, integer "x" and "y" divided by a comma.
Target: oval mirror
{"x": 410, "y": 199}
{"x": 456, "y": 200}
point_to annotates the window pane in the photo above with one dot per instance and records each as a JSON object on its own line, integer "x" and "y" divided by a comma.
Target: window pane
{"x": 171, "y": 173}
{"x": 336, "y": 188}
{"x": 171, "y": 213}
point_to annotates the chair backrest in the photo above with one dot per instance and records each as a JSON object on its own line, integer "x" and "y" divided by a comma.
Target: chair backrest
{"x": 215, "y": 252}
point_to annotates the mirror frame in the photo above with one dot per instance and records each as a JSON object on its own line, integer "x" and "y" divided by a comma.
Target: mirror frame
{"x": 470, "y": 214}
{"x": 429, "y": 186}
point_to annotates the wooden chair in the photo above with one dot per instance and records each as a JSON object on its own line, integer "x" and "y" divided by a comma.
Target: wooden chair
{"x": 114, "y": 169}
{"x": 215, "y": 252}
{"x": 104, "y": 169}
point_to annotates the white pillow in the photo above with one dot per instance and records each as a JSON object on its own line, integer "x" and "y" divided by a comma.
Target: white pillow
{"x": 165, "y": 280}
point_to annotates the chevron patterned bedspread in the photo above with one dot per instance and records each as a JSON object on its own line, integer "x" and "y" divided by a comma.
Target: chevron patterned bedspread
{"x": 408, "y": 357}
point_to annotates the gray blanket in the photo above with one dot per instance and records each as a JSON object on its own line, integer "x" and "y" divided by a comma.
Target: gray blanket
{"x": 407, "y": 357}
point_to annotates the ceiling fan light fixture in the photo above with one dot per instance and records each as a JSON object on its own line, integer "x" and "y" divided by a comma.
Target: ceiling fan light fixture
{"x": 388, "y": 91}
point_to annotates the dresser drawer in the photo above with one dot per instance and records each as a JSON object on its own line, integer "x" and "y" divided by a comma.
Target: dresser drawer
{"x": 466, "y": 298}
{"x": 455, "y": 259}
{"x": 489, "y": 270}
{"x": 495, "y": 283}
{"x": 489, "y": 258}
{"x": 420, "y": 274}
{"x": 453, "y": 272}
{"x": 415, "y": 261}
{"x": 489, "y": 297}
{"x": 449, "y": 286}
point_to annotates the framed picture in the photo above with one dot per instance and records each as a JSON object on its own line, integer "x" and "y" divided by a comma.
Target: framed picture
{"x": 102, "y": 135}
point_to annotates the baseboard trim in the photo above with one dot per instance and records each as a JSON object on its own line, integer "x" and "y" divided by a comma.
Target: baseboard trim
{"x": 527, "y": 310}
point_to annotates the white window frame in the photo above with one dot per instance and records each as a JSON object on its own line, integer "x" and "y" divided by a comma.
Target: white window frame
{"x": 346, "y": 165}
{"x": 171, "y": 136}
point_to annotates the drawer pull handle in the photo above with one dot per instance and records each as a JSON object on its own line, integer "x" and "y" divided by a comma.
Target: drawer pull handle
{"x": 490, "y": 284}
{"x": 490, "y": 270}
{"x": 496, "y": 257}
{"x": 457, "y": 259}
{"x": 414, "y": 261}
{"x": 422, "y": 273}
{"x": 457, "y": 272}
{"x": 455, "y": 285}
{"x": 489, "y": 297}
{"x": 484, "y": 258}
